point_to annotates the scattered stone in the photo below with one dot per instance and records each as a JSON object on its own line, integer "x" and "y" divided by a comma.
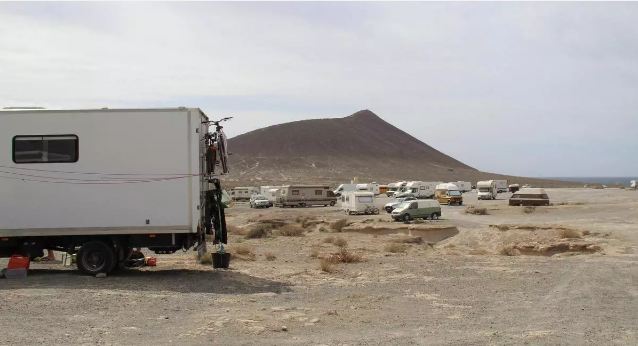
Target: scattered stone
{"x": 100, "y": 275}
{"x": 284, "y": 328}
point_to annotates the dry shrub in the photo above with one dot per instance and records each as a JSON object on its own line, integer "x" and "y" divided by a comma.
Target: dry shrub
{"x": 314, "y": 252}
{"x": 345, "y": 256}
{"x": 529, "y": 209}
{"x": 244, "y": 252}
{"x": 327, "y": 266}
{"x": 232, "y": 229}
{"x": 323, "y": 229}
{"x": 475, "y": 211}
{"x": 565, "y": 233}
{"x": 338, "y": 225}
{"x": 585, "y": 232}
{"x": 509, "y": 250}
{"x": 417, "y": 221}
{"x": 261, "y": 230}
{"x": 207, "y": 258}
{"x": 329, "y": 240}
{"x": 502, "y": 228}
{"x": 291, "y": 231}
{"x": 270, "y": 256}
{"x": 340, "y": 242}
{"x": 395, "y": 247}
{"x": 407, "y": 240}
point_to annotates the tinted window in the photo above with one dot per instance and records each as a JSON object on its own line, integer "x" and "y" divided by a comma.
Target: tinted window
{"x": 39, "y": 149}
{"x": 318, "y": 192}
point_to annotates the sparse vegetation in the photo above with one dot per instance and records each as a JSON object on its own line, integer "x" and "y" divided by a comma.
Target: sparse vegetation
{"x": 207, "y": 258}
{"x": 475, "y": 210}
{"x": 323, "y": 229}
{"x": 345, "y": 256}
{"x": 509, "y": 250}
{"x": 291, "y": 231}
{"x": 529, "y": 209}
{"x": 232, "y": 229}
{"x": 395, "y": 247}
{"x": 326, "y": 265}
{"x": 338, "y": 225}
{"x": 261, "y": 230}
{"x": 244, "y": 252}
{"x": 270, "y": 256}
{"x": 329, "y": 240}
{"x": 567, "y": 233}
{"x": 340, "y": 242}
{"x": 314, "y": 252}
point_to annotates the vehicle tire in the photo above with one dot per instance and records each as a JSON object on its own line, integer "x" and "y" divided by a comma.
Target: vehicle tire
{"x": 434, "y": 216}
{"x": 332, "y": 203}
{"x": 376, "y": 211}
{"x": 302, "y": 205}
{"x": 406, "y": 217}
{"x": 96, "y": 257}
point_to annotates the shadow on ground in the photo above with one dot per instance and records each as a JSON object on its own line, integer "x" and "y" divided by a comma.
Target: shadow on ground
{"x": 174, "y": 280}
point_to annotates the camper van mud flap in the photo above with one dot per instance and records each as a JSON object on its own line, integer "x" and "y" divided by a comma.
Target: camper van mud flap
{"x": 215, "y": 218}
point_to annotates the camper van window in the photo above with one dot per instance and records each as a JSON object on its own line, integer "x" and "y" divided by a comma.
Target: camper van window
{"x": 365, "y": 199}
{"x": 39, "y": 149}
{"x": 295, "y": 192}
{"x": 318, "y": 192}
{"x": 454, "y": 193}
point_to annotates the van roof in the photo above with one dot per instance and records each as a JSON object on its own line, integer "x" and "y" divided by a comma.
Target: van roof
{"x": 531, "y": 191}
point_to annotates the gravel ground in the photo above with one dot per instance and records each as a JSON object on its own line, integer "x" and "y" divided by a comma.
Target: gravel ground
{"x": 458, "y": 290}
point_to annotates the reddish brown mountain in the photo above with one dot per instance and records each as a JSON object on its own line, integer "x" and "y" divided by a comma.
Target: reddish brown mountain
{"x": 334, "y": 151}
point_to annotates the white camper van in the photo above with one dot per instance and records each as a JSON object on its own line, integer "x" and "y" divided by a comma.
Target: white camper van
{"x": 344, "y": 188}
{"x": 421, "y": 189}
{"x": 243, "y": 193}
{"x": 358, "y": 202}
{"x": 98, "y": 183}
{"x": 270, "y": 192}
{"x": 501, "y": 186}
{"x": 464, "y": 186}
{"x": 486, "y": 189}
{"x": 394, "y": 188}
{"x": 371, "y": 187}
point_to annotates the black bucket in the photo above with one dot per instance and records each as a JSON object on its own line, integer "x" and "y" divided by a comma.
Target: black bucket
{"x": 221, "y": 260}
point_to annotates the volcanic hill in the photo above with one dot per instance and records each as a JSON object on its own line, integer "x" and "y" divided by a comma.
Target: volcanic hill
{"x": 336, "y": 150}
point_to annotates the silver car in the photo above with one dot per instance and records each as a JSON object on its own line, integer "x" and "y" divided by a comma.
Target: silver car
{"x": 259, "y": 201}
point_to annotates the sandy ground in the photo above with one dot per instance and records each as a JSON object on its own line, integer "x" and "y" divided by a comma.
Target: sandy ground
{"x": 565, "y": 274}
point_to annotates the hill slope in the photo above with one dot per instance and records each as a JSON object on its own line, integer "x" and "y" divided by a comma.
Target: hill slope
{"x": 334, "y": 151}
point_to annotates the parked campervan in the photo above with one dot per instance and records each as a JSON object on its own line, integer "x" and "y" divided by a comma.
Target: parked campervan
{"x": 447, "y": 193}
{"x": 305, "y": 196}
{"x": 501, "y": 185}
{"x": 358, "y": 202}
{"x": 464, "y": 186}
{"x": 486, "y": 189}
{"x": 243, "y": 193}
{"x": 419, "y": 209}
{"x": 514, "y": 187}
{"x": 344, "y": 188}
{"x": 270, "y": 192}
{"x": 383, "y": 189}
{"x": 394, "y": 188}
{"x": 632, "y": 184}
{"x": 420, "y": 189}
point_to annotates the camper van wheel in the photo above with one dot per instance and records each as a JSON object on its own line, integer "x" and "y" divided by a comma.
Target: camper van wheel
{"x": 302, "y": 205}
{"x": 332, "y": 203}
{"x": 406, "y": 217}
{"x": 434, "y": 216}
{"x": 96, "y": 257}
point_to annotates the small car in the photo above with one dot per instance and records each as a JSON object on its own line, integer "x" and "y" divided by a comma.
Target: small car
{"x": 259, "y": 201}
{"x": 419, "y": 209}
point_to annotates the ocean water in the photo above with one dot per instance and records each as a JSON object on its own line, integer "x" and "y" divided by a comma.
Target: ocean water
{"x": 624, "y": 181}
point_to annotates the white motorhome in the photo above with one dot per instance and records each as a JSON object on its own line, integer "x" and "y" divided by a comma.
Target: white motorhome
{"x": 358, "y": 202}
{"x": 486, "y": 189}
{"x": 305, "y": 196}
{"x": 344, "y": 188}
{"x": 394, "y": 188}
{"x": 501, "y": 186}
{"x": 464, "y": 186}
{"x": 371, "y": 187}
{"x": 632, "y": 184}
{"x": 270, "y": 192}
{"x": 243, "y": 193}
{"x": 98, "y": 183}
{"x": 421, "y": 189}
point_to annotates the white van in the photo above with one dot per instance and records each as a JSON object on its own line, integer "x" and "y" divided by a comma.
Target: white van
{"x": 486, "y": 189}
{"x": 358, "y": 202}
{"x": 464, "y": 186}
{"x": 501, "y": 186}
{"x": 421, "y": 189}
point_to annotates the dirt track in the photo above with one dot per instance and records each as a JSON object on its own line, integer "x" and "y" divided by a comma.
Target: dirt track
{"x": 460, "y": 290}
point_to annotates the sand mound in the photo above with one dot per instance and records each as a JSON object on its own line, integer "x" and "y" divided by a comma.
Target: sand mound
{"x": 514, "y": 240}
{"x": 426, "y": 232}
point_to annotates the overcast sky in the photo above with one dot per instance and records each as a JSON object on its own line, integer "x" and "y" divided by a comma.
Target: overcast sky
{"x": 534, "y": 89}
